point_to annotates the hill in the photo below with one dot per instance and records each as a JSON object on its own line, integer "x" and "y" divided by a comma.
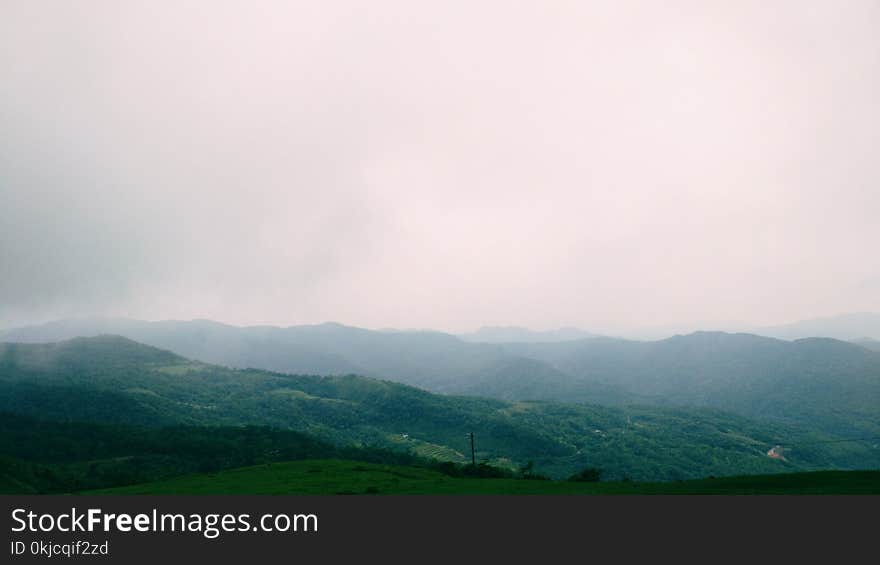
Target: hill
{"x": 844, "y": 327}
{"x": 815, "y": 383}
{"x": 868, "y": 343}
{"x": 430, "y": 360}
{"x": 818, "y": 381}
{"x": 40, "y": 456}
{"x": 346, "y": 477}
{"x": 85, "y": 380}
{"x": 821, "y": 383}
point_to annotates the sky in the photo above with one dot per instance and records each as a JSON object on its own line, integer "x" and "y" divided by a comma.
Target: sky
{"x": 605, "y": 165}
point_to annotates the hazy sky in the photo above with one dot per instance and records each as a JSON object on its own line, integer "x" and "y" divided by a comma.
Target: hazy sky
{"x": 440, "y": 164}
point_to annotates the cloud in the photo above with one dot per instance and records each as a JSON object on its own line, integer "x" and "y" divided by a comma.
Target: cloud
{"x": 605, "y": 165}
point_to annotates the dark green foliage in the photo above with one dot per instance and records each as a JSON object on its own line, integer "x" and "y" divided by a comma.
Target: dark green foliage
{"x": 481, "y": 470}
{"x": 38, "y": 456}
{"x": 527, "y": 472}
{"x": 588, "y": 475}
{"x": 347, "y": 477}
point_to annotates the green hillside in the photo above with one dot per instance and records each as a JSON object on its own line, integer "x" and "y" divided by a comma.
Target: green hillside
{"x": 38, "y": 456}
{"x": 348, "y": 477}
{"x": 113, "y": 380}
{"x": 819, "y": 384}
{"x": 430, "y": 360}
{"x": 823, "y": 384}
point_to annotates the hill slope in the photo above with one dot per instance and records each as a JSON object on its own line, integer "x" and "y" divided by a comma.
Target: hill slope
{"x": 84, "y": 379}
{"x": 430, "y": 360}
{"x": 39, "y": 456}
{"x": 821, "y": 383}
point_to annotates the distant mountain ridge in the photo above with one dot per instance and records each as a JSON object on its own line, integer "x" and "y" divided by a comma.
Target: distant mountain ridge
{"x": 868, "y": 343}
{"x": 818, "y": 382}
{"x": 822, "y": 383}
{"x": 844, "y": 327}
{"x": 516, "y": 334}
{"x": 435, "y": 361}
{"x": 828, "y": 382}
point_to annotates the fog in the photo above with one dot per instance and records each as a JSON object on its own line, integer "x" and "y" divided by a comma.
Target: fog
{"x": 606, "y": 165}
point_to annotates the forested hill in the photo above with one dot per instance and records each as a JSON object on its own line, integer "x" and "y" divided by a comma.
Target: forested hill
{"x": 819, "y": 382}
{"x": 824, "y": 384}
{"x": 113, "y": 380}
{"x": 430, "y": 360}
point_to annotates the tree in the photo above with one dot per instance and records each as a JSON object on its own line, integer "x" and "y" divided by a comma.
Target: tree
{"x": 588, "y": 475}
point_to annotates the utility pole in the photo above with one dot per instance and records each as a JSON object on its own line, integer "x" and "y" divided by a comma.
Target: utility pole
{"x": 473, "y": 454}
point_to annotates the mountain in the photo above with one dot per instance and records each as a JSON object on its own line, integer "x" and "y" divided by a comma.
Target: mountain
{"x": 434, "y": 361}
{"x": 113, "y": 380}
{"x": 202, "y": 339}
{"x": 520, "y": 377}
{"x": 824, "y": 383}
{"x": 868, "y": 343}
{"x": 844, "y": 327}
{"x": 514, "y": 334}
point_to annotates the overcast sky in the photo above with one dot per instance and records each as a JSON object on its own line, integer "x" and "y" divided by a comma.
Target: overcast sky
{"x": 606, "y": 165}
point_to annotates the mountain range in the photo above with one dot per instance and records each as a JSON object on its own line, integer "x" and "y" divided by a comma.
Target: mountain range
{"x": 820, "y": 383}
{"x": 113, "y": 380}
{"x": 855, "y": 326}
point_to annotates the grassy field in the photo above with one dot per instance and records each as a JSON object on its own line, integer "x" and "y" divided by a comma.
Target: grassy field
{"x": 351, "y": 477}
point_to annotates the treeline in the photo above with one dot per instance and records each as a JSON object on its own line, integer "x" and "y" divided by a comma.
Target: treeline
{"x": 39, "y": 456}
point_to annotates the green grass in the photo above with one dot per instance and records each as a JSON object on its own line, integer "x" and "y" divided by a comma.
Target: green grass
{"x": 352, "y": 477}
